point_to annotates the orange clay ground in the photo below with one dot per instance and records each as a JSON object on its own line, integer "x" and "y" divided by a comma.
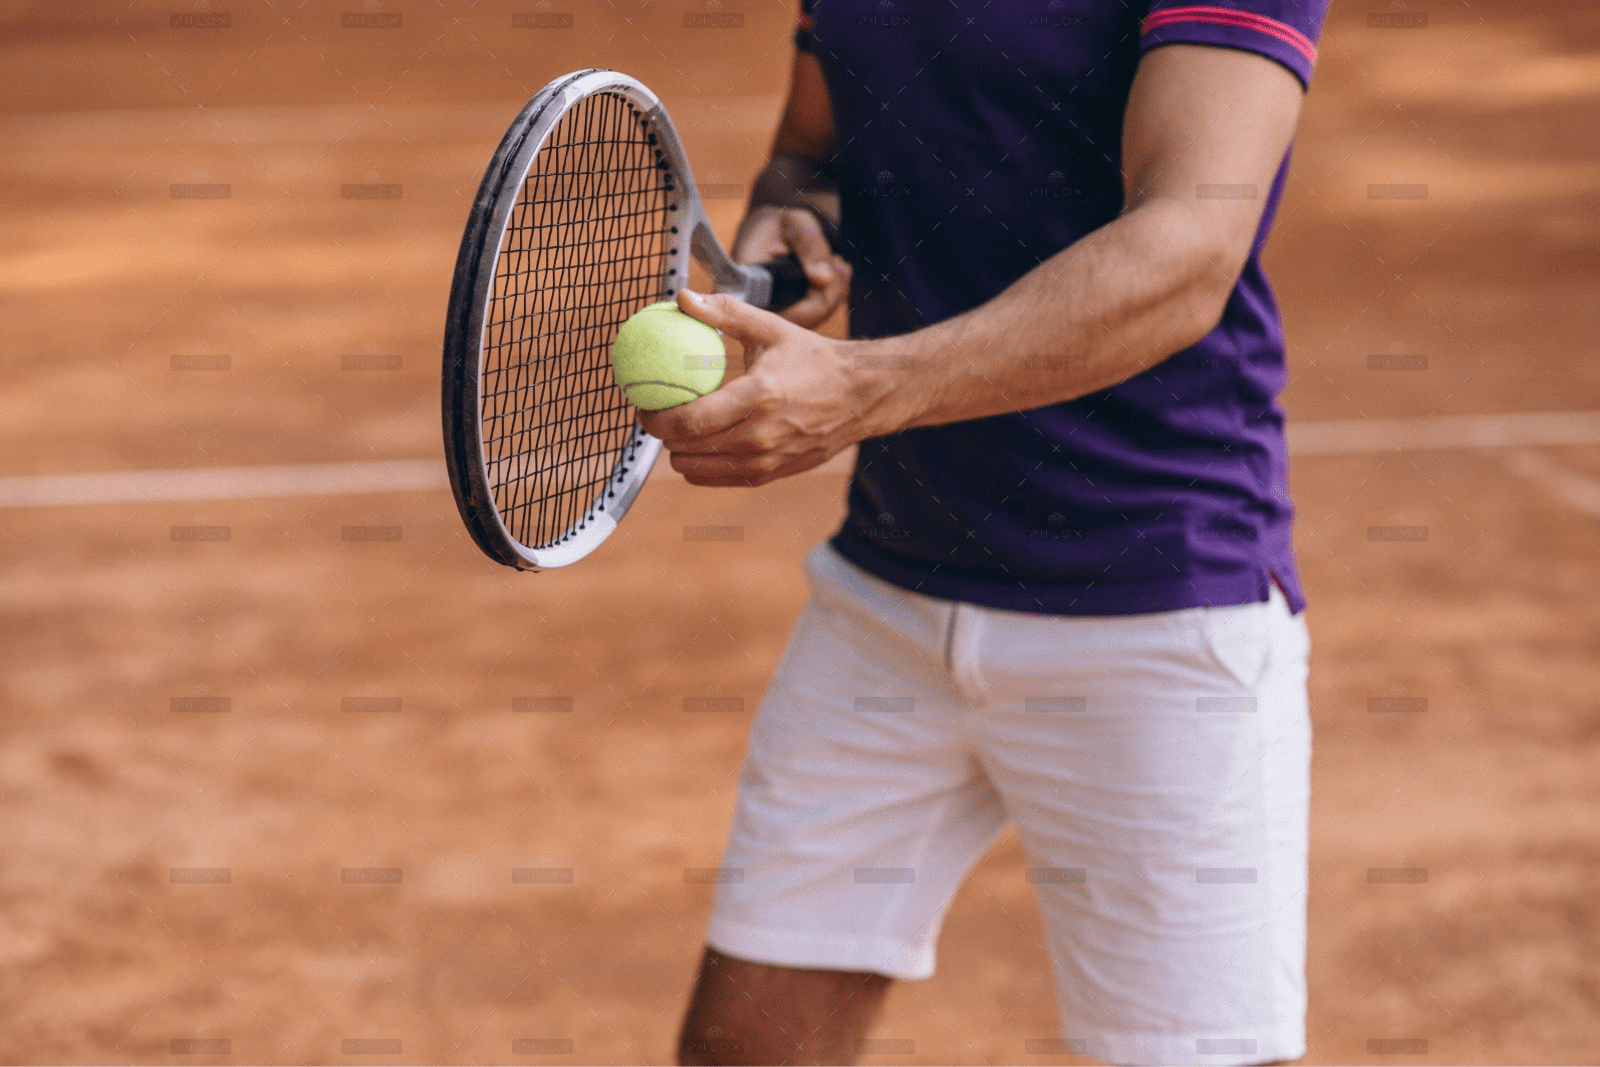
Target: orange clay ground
{"x": 104, "y": 789}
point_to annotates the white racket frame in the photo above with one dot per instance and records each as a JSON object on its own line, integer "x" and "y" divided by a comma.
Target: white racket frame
{"x": 462, "y": 390}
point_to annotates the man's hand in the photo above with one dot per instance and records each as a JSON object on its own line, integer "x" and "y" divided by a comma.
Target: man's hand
{"x": 801, "y": 401}
{"x": 770, "y": 232}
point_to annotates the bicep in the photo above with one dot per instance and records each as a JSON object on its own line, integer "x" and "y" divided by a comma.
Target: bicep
{"x": 1203, "y": 124}
{"x": 806, "y": 128}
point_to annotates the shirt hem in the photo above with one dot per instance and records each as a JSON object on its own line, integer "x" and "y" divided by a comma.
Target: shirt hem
{"x": 1044, "y": 597}
{"x": 835, "y": 952}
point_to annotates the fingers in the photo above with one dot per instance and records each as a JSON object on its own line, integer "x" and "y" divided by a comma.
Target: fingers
{"x": 790, "y": 412}
{"x": 829, "y": 274}
{"x": 752, "y": 326}
{"x": 769, "y": 232}
{"x": 698, "y": 423}
{"x": 803, "y": 233}
{"x": 744, "y": 470}
{"x": 729, "y": 439}
{"x": 726, "y": 406}
{"x": 826, "y": 294}
{"x": 746, "y": 460}
{"x": 760, "y": 236}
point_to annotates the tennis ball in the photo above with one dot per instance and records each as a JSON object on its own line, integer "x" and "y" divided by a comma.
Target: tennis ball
{"x": 663, "y": 358}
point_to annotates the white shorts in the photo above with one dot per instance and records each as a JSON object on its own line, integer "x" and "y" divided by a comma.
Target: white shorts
{"x": 1156, "y": 766}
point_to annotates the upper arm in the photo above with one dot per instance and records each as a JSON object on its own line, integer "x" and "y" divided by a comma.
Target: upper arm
{"x": 1200, "y": 116}
{"x": 806, "y": 128}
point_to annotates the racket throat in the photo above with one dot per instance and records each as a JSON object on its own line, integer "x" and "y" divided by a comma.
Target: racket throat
{"x": 749, "y": 283}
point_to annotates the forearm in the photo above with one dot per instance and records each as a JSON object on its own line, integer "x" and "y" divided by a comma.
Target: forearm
{"x": 1113, "y": 304}
{"x": 1150, "y": 283}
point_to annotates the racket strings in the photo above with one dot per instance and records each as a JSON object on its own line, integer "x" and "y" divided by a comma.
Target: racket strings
{"x": 586, "y": 245}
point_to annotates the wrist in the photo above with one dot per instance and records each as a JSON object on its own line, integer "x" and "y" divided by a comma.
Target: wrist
{"x": 886, "y": 383}
{"x": 754, "y": 216}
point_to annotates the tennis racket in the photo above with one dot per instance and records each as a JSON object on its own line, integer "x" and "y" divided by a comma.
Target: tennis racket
{"x": 587, "y": 212}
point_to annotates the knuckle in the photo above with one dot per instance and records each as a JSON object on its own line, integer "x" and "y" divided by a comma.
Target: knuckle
{"x": 765, "y": 463}
{"x": 762, "y": 389}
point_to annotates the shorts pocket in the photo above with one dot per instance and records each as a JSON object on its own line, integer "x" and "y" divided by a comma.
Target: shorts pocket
{"x": 1237, "y": 640}
{"x": 829, "y": 575}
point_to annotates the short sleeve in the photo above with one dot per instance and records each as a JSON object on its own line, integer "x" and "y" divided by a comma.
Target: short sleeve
{"x": 803, "y": 39}
{"x": 1284, "y": 30}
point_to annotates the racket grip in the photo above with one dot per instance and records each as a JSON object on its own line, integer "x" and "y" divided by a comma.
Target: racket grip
{"x": 789, "y": 282}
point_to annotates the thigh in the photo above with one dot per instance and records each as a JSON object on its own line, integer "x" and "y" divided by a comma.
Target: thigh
{"x": 860, "y": 806}
{"x": 1157, "y": 768}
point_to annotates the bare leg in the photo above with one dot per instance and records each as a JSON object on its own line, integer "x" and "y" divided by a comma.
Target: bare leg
{"x": 753, "y": 1013}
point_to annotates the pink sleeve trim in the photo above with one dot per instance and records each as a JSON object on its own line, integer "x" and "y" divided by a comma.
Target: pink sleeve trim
{"x": 1223, "y": 16}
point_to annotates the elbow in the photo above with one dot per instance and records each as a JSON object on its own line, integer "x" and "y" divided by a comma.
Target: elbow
{"x": 1194, "y": 254}
{"x": 1197, "y": 316}
{"x": 1213, "y": 277}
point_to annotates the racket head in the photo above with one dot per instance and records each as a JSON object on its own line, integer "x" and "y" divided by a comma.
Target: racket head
{"x": 584, "y": 215}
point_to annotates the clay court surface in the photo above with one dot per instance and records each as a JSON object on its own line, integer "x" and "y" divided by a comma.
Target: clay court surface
{"x": 112, "y": 280}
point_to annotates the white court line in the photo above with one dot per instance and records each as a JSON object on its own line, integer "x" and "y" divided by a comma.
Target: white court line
{"x": 1338, "y": 438}
{"x": 1577, "y": 489}
{"x": 222, "y": 483}
{"x": 1444, "y": 431}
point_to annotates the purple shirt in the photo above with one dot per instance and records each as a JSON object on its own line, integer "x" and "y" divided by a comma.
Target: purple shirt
{"x": 976, "y": 140}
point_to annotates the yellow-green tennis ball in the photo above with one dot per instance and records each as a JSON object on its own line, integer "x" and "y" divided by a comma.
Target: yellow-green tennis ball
{"x": 663, "y": 358}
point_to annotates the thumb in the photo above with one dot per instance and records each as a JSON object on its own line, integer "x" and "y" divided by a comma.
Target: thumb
{"x": 751, "y": 326}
